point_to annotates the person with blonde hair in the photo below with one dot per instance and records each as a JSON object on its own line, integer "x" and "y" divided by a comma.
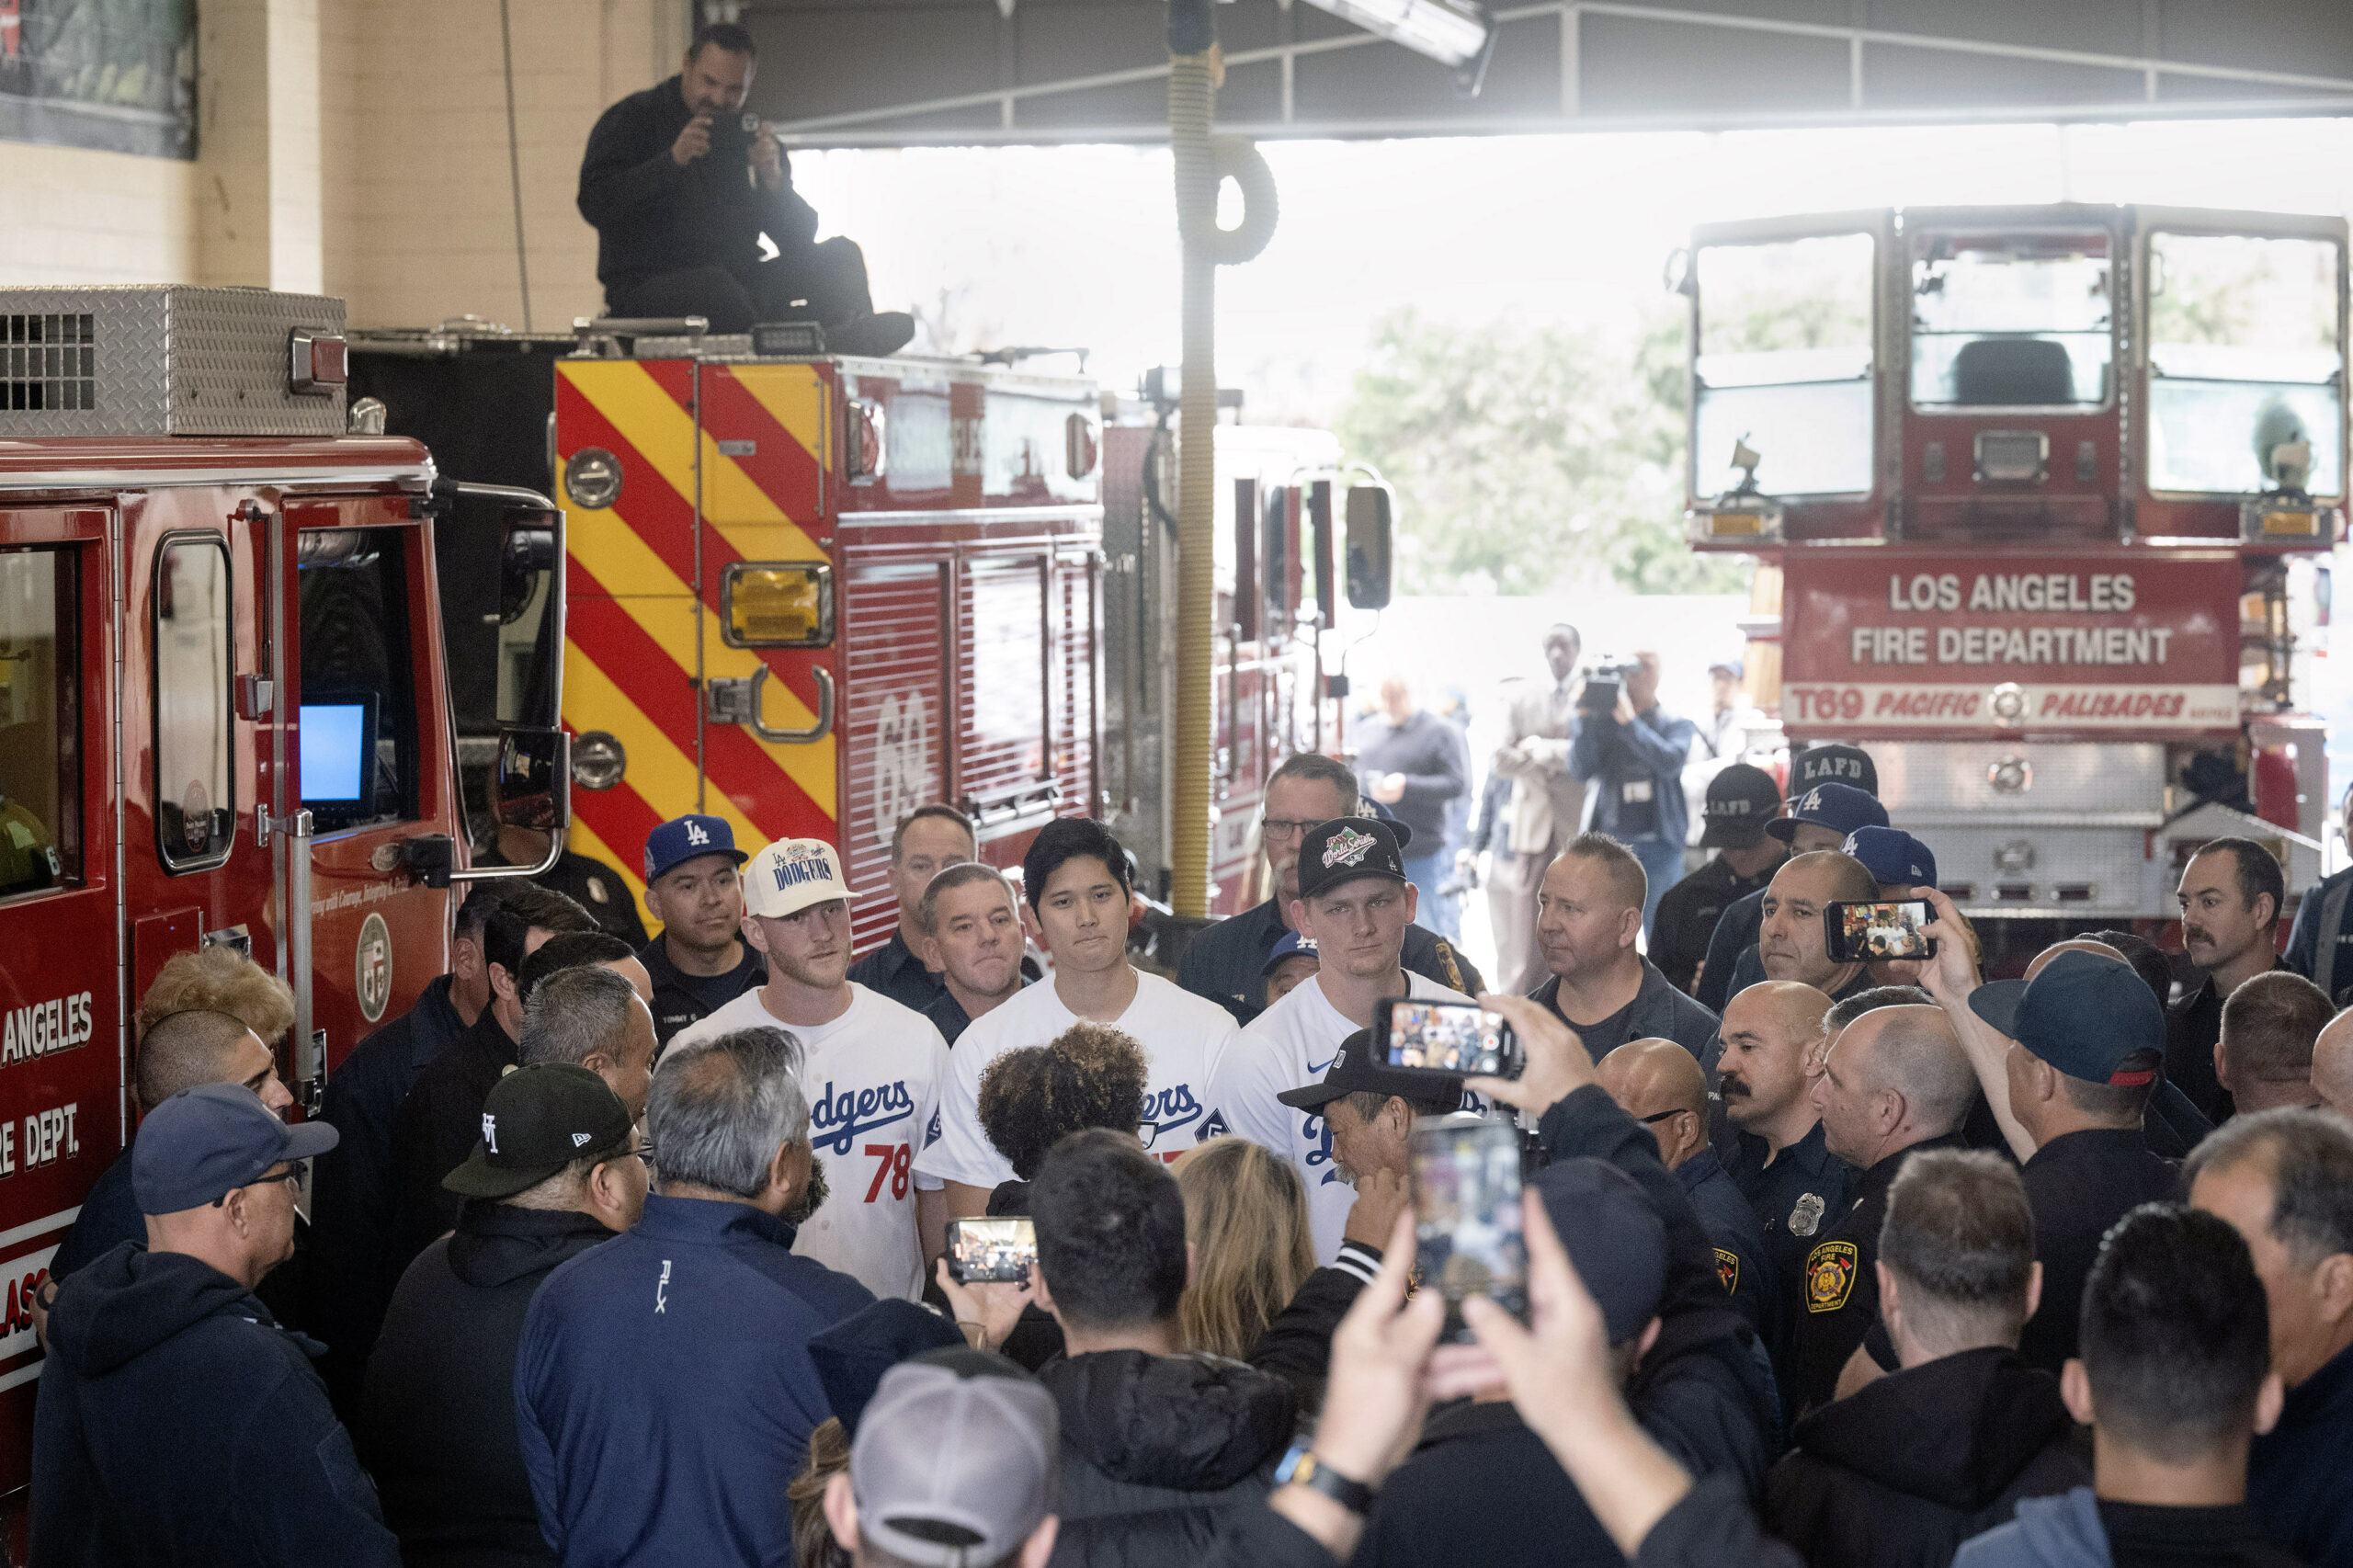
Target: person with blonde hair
{"x": 220, "y": 980}
{"x": 1245, "y": 1219}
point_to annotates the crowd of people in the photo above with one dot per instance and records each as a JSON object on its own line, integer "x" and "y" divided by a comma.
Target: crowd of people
{"x": 641, "y": 1256}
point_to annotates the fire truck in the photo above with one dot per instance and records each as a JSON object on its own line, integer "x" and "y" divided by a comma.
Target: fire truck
{"x": 223, "y": 716}
{"x": 2044, "y": 498}
{"x": 810, "y": 593}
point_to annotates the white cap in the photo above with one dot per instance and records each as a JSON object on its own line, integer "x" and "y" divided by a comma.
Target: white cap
{"x": 791, "y": 874}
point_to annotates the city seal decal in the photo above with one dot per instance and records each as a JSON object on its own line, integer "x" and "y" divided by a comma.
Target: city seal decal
{"x": 1830, "y": 1275}
{"x": 1349, "y": 846}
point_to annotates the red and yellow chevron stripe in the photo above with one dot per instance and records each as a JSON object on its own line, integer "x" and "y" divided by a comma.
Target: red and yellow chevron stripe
{"x": 639, "y": 572}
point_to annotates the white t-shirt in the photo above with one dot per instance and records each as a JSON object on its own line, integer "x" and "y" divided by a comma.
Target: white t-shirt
{"x": 872, "y": 1079}
{"x": 1285, "y": 1048}
{"x": 1182, "y": 1036}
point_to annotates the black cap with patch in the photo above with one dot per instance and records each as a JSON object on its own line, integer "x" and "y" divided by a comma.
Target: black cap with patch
{"x": 1741, "y": 800}
{"x": 1834, "y": 763}
{"x": 535, "y": 1121}
{"x": 1355, "y": 1066}
{"x": 1344, "y": 848}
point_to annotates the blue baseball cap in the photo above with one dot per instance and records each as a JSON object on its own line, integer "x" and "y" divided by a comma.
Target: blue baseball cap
{"x": 1614, "y": 1238}
{"x": 688, "y": 837}
{"x": 1841, "y": 808}
{"x": 1893, "y": 856}
{"x": 1291, "y": 946}
{"x": 2089, "y": 1015}
{"x": 205, "y": 1143}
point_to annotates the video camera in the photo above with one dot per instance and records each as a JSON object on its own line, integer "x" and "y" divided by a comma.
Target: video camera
{"x": 1604, "y": 679}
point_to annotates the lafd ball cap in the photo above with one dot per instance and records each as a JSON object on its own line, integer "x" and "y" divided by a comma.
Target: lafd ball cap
{"x": 207, "y": 1142}
{"x": 2090, "y": 1017}
{"x": 1841, "y": 808}
{"x": 686, "y": 838}
{"x": 1344, "y": 848}
{"x": 1893, "y": 857}
{"x": 791, "y": 874}
{"x": 1835, "y": 763}
{"x": 535, "y": 1121}
{"x": 1291, "y": 946}
{"x": 1614, "y": 1238}
{"x": 1741, "y": 800}
{"x": 955, "y": 1460}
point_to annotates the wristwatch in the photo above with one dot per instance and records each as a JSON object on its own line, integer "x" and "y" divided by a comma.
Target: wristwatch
{"x": 1302, "y": 1468}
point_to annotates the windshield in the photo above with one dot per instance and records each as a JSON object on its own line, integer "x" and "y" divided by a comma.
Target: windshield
{"x": 2010, "y": 321}
{"x": 2244, "y": 360}
{"x": 1784, "y": 365}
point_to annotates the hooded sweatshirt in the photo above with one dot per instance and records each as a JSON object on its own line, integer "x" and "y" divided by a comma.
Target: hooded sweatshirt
{"x": 178, "y": 1424}
{"x": 437, "y": 1425}
{"x": 1903, "y": 1472}
{"x": 2079, "y": 1530}
{"x": 1155, "y": 1449}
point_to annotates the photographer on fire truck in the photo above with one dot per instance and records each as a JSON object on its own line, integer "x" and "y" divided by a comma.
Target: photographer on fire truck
{"x": 680, "y": 185}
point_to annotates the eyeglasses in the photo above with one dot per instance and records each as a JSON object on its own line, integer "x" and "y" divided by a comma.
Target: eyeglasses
{"x": 1658, "y": 1116}
{"x": 647, "y": 1155}
{"x": 1277, "y": 828}
{"x": 292, "y": 1176}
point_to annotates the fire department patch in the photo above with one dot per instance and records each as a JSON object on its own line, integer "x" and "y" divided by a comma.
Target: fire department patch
{"x": 1348, "y": 847}
{"x": 1728, "y": 1269}
{"x": 1830, "y": 1275}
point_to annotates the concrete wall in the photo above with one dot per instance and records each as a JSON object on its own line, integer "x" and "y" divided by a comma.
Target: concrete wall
{"x": 359, "y": 147}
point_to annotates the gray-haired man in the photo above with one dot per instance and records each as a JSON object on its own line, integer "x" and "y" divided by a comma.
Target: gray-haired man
{"x": 663, "y": 1383}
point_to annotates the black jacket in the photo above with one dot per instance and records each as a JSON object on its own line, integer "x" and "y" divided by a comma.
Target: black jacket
{"x": 1900, "y": 1474}
{"x": 437, "y": 1126}
{"x": 358, "y": 1262}
{"x": 1155, "y": 1449}
{"x": 1297, "y": 1346}
{"x": 2078, "y": 1185}
{"x": 1687, "y": 914}
{"x": 651, "y": 216}
{"x": 178, "y": 1424}
{"x": 437, "y": 1426}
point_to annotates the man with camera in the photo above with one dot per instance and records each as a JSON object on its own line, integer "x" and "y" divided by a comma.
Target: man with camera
{"x": 1633, "y": 750}
{"x": 680, "y": 185}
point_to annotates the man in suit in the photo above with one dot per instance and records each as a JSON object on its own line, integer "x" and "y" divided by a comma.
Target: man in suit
{"x": 1544, "y": 814}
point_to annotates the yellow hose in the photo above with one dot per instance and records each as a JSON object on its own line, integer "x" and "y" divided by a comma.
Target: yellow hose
{"x": 1201, "y": 161}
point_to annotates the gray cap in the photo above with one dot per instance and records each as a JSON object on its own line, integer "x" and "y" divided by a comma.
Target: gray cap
{"x": 207, "y": 1142}
{"x": 955, "y": 1460}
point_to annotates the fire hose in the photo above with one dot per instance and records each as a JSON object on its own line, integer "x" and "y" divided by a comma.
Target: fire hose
{"x": 1203, "y": 163}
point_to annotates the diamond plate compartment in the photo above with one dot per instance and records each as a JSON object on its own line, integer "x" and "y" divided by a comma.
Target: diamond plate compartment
{"x": 171, "y": 359}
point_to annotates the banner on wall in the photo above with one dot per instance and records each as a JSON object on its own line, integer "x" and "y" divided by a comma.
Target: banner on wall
{"x": 116, "y": 75}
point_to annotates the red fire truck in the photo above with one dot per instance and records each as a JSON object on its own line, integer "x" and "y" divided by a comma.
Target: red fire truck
{"x": 810, "y": 593}
{"x": 223, "y": 715}
{"x": 2045, "y": 498}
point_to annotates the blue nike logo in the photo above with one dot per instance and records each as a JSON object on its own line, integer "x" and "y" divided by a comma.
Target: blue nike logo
{"x": 1319, "y": 1066}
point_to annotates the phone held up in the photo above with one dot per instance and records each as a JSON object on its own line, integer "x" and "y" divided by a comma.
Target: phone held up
{"x": 1870, "y": 933}
{"x": 1452, "y": 1039}
{"x": 990, "y": 1252}
{"x": 1466, "y": 1230}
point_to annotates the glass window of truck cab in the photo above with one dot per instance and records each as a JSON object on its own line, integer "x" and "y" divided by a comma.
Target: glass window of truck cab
{"x": 2016, "y": 320}
{"x": 1783, "y": 365}
{"x": 40, "y": 683}
{"x": 2245, "y": 358}
{"x": 357, "y": 732}
{"x": 196, "y": 807}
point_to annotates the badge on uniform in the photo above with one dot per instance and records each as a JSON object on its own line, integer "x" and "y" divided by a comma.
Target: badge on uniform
{"x": 596, "y": 893}
{"x": 1728, "y": 1269}
{"x": 1830, "y": 1275}
{"x": 1806, "y": 1218}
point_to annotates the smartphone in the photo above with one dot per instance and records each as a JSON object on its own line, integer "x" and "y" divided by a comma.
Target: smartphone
{"x": 1469, "y": 1240}
{"x": 1454, "y": 1039}
{"x": 1870, "y": 932}
{"x": 986, "y": 1251}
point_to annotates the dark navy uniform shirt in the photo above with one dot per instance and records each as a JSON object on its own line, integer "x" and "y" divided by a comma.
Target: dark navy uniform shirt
{"x": 1687, "y": 914}
{"x": 2297, "y": 1480}
{"x": 893, "y": 971}
{"x": 680, "y": 998}
{"x": 1742, "y": 1262}
{"x": 2078, "y": 1185}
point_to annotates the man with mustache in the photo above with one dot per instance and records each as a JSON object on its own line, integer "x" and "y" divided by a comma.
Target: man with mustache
{"x": 2229, "y": 894}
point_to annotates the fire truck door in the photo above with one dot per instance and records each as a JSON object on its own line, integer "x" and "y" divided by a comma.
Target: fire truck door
{"x": 61, "y": 924}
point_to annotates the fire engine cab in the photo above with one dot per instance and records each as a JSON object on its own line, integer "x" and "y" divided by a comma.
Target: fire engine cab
{"x": 224, "y": 719}
{"x": 2045, "y": 498}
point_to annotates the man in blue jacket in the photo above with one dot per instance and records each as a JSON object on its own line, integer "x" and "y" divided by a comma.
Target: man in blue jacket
{"x": 664, "y": 1392}
{"x": 1632, "y": 752}
{"x": 178, "y": 1423}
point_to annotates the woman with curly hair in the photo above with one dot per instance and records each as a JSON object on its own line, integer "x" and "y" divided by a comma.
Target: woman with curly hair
{"x": 1245, "y": 1218}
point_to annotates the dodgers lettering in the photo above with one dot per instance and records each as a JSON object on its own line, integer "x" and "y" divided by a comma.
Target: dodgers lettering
{"x": 1168, "y": 1110}
{"x": 845, "y": 1116}
{"x": 791, "y": 873}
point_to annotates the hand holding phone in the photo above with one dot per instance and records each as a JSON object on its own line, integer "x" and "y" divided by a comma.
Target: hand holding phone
{"x": 990, "y": 1251}
{"x": 1468, "y": 1230}
{"x": 1450, "y": 1039}
{"x": 1878, "y": 931}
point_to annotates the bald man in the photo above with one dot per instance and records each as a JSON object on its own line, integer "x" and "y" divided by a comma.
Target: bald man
{"x": 1896, "y": 1080}
{"x": 1658, "y": 1083}
{"x": 2333, "y": 1064}
{"x": 1791, "y": 942}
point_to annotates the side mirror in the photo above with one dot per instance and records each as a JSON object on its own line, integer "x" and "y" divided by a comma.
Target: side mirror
{"x": 1369, "y": 510}
{"x": 526, "y": 556}
{"x": 532, "y": 786}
